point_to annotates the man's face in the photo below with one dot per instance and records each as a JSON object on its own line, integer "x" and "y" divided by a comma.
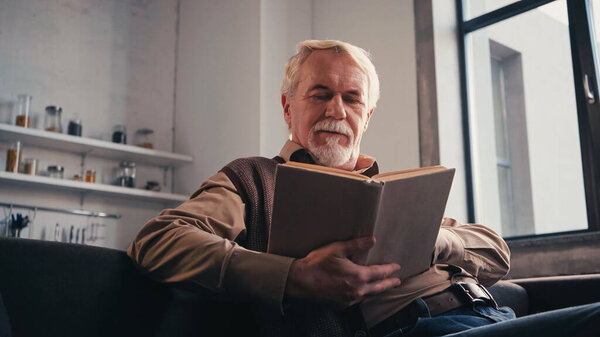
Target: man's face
{"x": 328, "y": 112}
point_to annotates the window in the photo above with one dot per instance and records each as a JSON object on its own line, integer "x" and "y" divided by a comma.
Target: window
{"x": 510, "y": 129}
{"x": 529, "y": 99}
{"x": 475, "y": 8}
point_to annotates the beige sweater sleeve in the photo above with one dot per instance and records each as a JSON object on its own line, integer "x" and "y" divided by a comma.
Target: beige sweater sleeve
{"x": 195, "y": 243}
{"x": 475, "y": 248}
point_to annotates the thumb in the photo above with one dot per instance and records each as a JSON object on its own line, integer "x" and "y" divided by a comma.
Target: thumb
{"x": 354, "y": 246}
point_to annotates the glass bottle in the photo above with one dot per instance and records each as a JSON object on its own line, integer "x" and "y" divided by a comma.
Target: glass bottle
{"x": 119, "y": 134}
{"x": 74, "y": 128}
{"x": 13, "y": 157}
{"x": 90, "y": 176}
{"x": 52, "y": 120}
{"x": 30, "y": 166}
{"x": 23, "y": 114}
{"x": 56, "y": 171}
{"x": 126, "y": 174}
{"x": 6, "y": 111}
{"x": 144, "y": 138}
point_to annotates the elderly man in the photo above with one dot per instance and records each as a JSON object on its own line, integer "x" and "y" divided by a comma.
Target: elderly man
{"x": 218, "y": 238}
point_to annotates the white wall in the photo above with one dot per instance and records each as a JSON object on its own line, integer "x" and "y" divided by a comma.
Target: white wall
{"x": 283, "y": 23}
{"x": 217, "y": 114}
{"x": 109, "y": 62}
{"x": 387, "y": 30}
{"x": 228, "y": 80}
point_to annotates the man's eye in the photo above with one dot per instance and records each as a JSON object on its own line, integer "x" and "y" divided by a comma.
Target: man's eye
{"x": 351, "y": 100}
{"x": 323, "y": 97}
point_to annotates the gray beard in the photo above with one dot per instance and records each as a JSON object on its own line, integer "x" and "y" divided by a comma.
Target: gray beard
{"x": 331, "y": 154}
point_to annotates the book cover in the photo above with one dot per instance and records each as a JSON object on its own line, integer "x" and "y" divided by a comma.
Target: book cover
{"x": 314, "y": 206}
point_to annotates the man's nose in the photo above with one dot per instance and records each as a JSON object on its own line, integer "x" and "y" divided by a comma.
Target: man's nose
{"x": 335, "y": 108}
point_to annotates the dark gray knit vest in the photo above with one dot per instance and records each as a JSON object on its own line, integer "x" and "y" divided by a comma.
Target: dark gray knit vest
{"x": 254, "y": 179}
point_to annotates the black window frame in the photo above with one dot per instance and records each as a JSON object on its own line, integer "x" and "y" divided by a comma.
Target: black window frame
{"x": 588, "y": 113}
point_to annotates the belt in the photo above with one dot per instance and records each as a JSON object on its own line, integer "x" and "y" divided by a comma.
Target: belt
{"x": 455, "y": 296}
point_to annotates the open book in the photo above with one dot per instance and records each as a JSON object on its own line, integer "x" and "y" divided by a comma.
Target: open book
{"x": 316, "y": 205}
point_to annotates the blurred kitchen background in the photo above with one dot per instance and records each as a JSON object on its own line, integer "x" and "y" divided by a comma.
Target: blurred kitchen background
{"x": 202, "y": 76}
{"x": 131, "y": 104}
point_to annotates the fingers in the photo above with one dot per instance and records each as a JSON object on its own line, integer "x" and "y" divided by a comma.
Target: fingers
{"x": 355, "y": 291}
{"x": 382, "y": 271}
{"x": 326, "y": 274}
{"x": 381, "y": 286}
{"x": 354, "y": 246}
{"x": 368, "y": 278}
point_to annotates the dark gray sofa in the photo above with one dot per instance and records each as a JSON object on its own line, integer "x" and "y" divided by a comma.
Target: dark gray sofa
{"x": 59, "y": 289}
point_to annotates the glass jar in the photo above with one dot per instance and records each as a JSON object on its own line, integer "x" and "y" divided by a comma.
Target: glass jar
{"x": 144, "y": 138}
{"x": 119, "y": 134}
{"x": 56, "y": 171}
{"x": 23, "y": 114}
{"x": 74, "y": 128}
{"x": 126, "y": 174}
{"x": 6, "y": 111}
{"x": 13, "y": 157}
{"x": 52, "y": 120}
{"x": 90, "y": 176}
{"x": 30, "y": 166}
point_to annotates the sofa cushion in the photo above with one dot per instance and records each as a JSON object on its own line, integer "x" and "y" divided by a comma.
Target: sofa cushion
{"x": 201, "y": 313}
{"x": 4, "y": 324}
{"x": 512, "y": 295}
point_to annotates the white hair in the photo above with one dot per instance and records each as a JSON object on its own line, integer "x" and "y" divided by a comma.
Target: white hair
{"x": 359, "y": 55}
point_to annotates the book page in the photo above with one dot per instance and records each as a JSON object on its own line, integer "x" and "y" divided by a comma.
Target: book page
{"x": 407, "y": 173}
{"x": 328, "y": 170}
{"x": 409, "y": 218}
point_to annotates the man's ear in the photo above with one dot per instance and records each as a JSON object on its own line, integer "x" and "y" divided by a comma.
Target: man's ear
{"x": 286, "y": 110}
{"x": 368, "y": 119}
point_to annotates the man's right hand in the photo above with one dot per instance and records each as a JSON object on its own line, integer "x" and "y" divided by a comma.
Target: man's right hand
{"x": 327, "y": 274}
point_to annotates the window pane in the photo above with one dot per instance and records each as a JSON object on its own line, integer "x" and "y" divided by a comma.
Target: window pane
{"x": 507, "y": 215}
{"x": 594, "y": 11}
{"x": 499, "y": 101}
{"x": 475, "y": 8}
{"x": 525, "y": 140}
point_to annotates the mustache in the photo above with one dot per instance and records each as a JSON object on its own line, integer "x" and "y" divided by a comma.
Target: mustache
{"x": 330, "y": 125}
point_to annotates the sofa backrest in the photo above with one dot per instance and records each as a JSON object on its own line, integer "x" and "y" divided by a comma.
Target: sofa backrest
{"x": 58, "y": 289}
{"x": 555, "y": 292}
{"x": 61, "y": 289}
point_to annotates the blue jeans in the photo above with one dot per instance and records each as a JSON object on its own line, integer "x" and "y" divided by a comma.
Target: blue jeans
{"x": 484, "y": 320}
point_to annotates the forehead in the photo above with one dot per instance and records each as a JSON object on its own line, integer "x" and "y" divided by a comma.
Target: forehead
{"x": 334, "y": 70}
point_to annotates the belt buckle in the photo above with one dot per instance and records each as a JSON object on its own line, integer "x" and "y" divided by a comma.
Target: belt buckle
{"x": 476, "y": 293}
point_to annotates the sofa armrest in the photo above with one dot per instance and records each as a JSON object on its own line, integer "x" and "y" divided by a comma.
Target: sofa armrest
{"x": 555, "y": 292}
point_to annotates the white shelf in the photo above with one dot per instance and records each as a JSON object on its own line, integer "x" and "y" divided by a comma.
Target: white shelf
{"x": 94, "y": 147}
{"x": 101, "y": 189}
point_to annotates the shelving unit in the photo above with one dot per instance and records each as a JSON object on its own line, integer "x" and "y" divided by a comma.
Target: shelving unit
{"x": 96, "y": 148}
{"x": 93, "y": 147}
{"x": 100, "y": 189}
